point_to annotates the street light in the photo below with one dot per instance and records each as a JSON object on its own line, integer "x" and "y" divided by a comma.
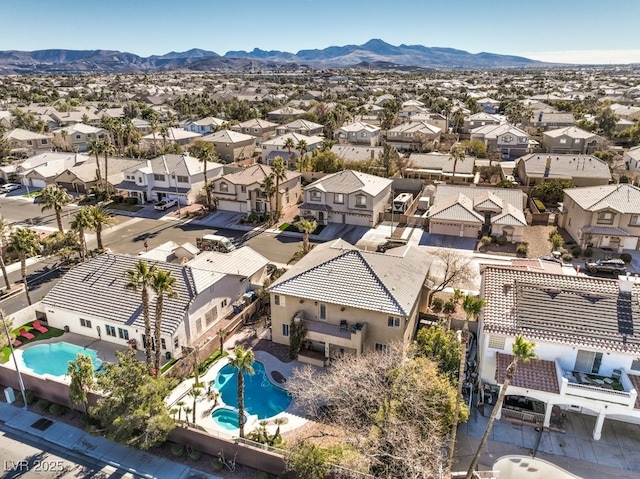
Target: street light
{"x": 13, "y": 355}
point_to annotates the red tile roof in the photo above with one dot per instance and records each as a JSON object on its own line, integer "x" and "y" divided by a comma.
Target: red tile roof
{"x": 536, "y": 374}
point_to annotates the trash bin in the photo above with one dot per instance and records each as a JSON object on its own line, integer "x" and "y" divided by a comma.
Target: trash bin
{"x": 66, "y": 329}
{"x": 167, "y": 355}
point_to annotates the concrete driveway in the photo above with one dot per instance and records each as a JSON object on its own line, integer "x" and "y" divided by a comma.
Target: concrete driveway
{"x": 454, "y": 242}
{"x": 349, "y": 233}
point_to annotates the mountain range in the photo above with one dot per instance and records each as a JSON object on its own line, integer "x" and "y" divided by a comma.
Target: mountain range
{"x": 374, "y": 54}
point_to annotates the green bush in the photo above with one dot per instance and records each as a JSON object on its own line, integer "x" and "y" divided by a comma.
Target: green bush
{"x": 132, "y": 200}
{"x": 576, "y": 251}
{"x": 437, "y": 303}
{"x": 626, "y": 257}
{"x": 43, "y": 405}
{"x": 588, "y": 253}
{"x": 31, "y": 397}
{"x": 523, "y": 248}
{"x": 449, "y": 307}
{"x": 57, "y": 409}
{"x": 501, "y": 240}
{"x": 486, "y": 240}
{"x": 177, "y": 450}
{"x": 566, "y": 257}
{"x": 540, "y": 205}
{"x": 194, "y": 454}
{"x": 216, "y": 464}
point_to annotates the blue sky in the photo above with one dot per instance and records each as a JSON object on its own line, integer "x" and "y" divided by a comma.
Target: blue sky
{"x": 577, "y": 31}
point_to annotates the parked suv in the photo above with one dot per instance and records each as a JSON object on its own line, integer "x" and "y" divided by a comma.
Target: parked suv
{"x": 165, "y": 204}
{"x": 614, "y": 266}
{"x": 10, "y": 187}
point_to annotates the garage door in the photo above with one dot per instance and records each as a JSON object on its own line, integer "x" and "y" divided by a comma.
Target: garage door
{"x": 37, "y": 183}
{"x": 450, "y": 229}
{"x": 236, "y": 206}
{"x": 359, "y": 220}
{"x": 471, "y": 231}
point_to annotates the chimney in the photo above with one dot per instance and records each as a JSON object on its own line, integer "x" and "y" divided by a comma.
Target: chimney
{"x": 547, "y": 167}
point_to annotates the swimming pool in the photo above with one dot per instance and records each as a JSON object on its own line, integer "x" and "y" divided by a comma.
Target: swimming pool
{"x": 226, "y": 418}
{"x": 261, "y": 397}
{"x": 54, "y": 358}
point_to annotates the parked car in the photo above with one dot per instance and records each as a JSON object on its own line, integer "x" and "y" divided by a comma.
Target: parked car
{"x": 391, "y": 243}
{"x": 10, "y": 187}
{"x": 164, "y": 204}
{"x": 613, "y": 266}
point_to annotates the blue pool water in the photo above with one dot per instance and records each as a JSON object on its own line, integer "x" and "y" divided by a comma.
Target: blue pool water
{"x": 226, "y": 418}
{"x": 261, "y": 397}
{"x": 54, "y": 358}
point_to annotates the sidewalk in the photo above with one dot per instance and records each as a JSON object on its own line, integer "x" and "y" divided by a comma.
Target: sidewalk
{"x": 137, "y": 462}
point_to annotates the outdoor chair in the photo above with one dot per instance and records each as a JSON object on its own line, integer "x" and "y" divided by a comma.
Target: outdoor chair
{"x": 39, "y": 327}
{"x": 26, "y": 334}
{"x": 16, "y": 343}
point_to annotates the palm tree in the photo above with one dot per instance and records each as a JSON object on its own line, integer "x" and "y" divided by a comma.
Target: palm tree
{"x": 280, "y": 174}
{"x": 55, "y": 198}
{"x": 302, "y": 147}
{"x": 99, "y": 219}
{"x": 269, "y": 188}
{"x": 162, "y": 284}
{"x": 81, "y": 223}
{"x": 95, "y": 148}
{"x": 290, "y": 145}
{"x": 107, "y": 150}
{"x": 141, "y": 278}
{"x": 222, "y": 334}
{"x": 243, "y": 362}
{"x": 180, "y": 405}
{"x": 164, "y": 134}
{"x": 5, "y": 231}
{"x": 472, "y": 306}
{"x": 195, "y": 393}
{"x": 523, "y": 350}
{"x": 458, "y": 153}
{"x": 26, "y": 243}
{"x": 279, "y": 421}
{"x": 205, "y": 151}
{"x": 306, "y": 226}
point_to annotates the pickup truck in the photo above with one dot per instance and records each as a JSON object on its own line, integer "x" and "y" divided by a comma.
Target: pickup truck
{"x": 164, "y": 204}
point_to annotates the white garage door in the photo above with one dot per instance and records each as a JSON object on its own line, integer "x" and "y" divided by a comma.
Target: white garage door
{"x": 237, "y": 206}
{"x": 37, "y": 183}
{"x": 471, "y": 231}
{"x": 450, "y": 229}
{"x": 359, "y": 220}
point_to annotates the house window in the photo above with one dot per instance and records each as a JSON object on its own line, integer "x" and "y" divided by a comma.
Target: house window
{"x": 44, "y": 142}
{"x": 315, "y": 195}
{"x": 85, "y": 323}
{"x": 323, "y": 311}
{"x": 183, "y": 179}
{"x": 577, "y": 141}
{"x": 139, "y": 179}
{"x": 111, "y": 331}
{"x": 78, "y": 137}
{"x": 176, "y": 343}
{"x": 381, "y": 347}
{"x": 277, "y": 299}
{"x": 157, "y": 177}
{"x": 635, "y": 365}
{"x": 285, "y": 330}
{"x": 605, "y": 218}
{"x": 163, "y": 343}
{"x": 224, "y": 303}
{"x": 338, "y": 198}
{"x": 393, "y": 322}
{"x": 563, "y": 141}
{"x": 588, "y": 361}
{"x": 635, "y": 220}
{"x": 361, "y": 201}
{"x": 243, "y": 189}
{"x": 224, "y": 186}
{"x": 29, "y": 142}
{"x": 123, "y": 333}
{"x": 199, "y": 325}
{"x": 496, "y": 342}
{"x": 211, "y": 315}
{"x": 287, "y": 199}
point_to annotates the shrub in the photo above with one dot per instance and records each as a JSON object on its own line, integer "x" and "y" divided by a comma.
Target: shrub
{"x": 486, "y": 240}
{"x": 576, "y": 251}
{"x": 30, "y": 396}
{"x": 437, "y": 303}
{"x": 449, "y": 307}
{"x": 216, "y": 464}
{"x": 540, "y": 205}
{"x": 132, "y": 200}
{"x": 567, "y": 257}
{"x": 523, "y": 248}
{"x": 588, "y": 253}
{"x": 43, "y": 405}
{"x": 194, "y": 454}
{"x": 56, "y": 409}
{"x": 556, "y": 241}
{"x": 626, "y": 257}
{"x": 502, "y": 240}
{"x": 296, "y": 218}
{"x": 177, "y": 450}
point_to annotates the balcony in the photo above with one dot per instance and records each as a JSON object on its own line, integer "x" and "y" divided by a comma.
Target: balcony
{"x": 335, "y": 336}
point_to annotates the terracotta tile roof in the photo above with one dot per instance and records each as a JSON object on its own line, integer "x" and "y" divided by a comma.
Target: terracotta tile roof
{"x": 535, "y": 374}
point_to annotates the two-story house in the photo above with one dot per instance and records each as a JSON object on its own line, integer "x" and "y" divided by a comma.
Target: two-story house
{"x": 477, "y": 120}
{"x": 285, "y": 114}
{"x": 551, "y": 120}
{"x": 242, "y": 191}
{"x": 358, "y": 132}
{"x": 171, "y": 136}
{"x": 231, "y": 145}
{"x": 436, "y": 166}
{"x": 581, "y": 170}
{"x": 261, "y": 129}
{"x": 302, "y": 127}
{"x": 23, "y": 143}
{"x": 78, "y": 136}
{"x": 585, "y": 335}
{"x": 412, "y": 136}
{"x": 508, "y": 140}
{"x": 435, "y": 119}
{"x": 571, "y": 140}
{"x": 276, "y": 147}
{"x": 178, "y": 177}
{"x": 347, "y": 197}
{"x": 349, "y": 301}
{"x": 606, "y": 216}
{"x": 489, "y": 105}
{"x": 471, "y": 212}
{"x": 205, "y": 126}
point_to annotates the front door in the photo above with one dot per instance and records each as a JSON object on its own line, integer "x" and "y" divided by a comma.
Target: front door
{"x": 321, "y": 217}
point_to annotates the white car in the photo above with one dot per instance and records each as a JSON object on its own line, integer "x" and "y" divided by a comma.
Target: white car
{"x": 164, "y": 204}
{"x": 10, "y": 187}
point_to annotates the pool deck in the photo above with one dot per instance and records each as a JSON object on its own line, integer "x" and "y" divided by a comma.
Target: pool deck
{"x": 204, "y": 406}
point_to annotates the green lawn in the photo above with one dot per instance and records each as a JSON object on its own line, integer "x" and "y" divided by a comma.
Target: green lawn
{"x": 52, "y": 333}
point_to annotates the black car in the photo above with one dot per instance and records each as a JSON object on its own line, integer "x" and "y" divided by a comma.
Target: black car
{"x": 613, "y": 266}
{"x": 389, "y": 244}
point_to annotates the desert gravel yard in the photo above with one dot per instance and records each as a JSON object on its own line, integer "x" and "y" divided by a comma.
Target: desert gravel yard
{"x": 538, "y": 239}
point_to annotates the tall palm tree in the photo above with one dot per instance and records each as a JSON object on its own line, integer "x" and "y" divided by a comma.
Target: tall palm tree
{"x": 107, "y": 150}
{"x": 523, "y": 350}
{"x": 81, "y": 223}
{"x": 242, "y": 361}
{"x": 280, "y": 174}
{"x": 164, "y": 134}
{"x": 95, "y": 148}
{"x": 140, "y": 278}
{"x": 458, "y": 153}
{"x": 472, "y": 306}
{"x": 306, "y": 226}
{"x": 195, "y": 393}
{"x": 162, "y": 284}
{"x": 205, "y": 151}
{"x": 99, "y": 219}
{"x": 26, "y": 243}
{"x": 5, "y": 232}
{"x": 290, "y": 145}
{"x": 302, "y": 148}
{"x": 222, "y": 335}
{"x": 269, "y": 187}
{"x": 55, "y": 198}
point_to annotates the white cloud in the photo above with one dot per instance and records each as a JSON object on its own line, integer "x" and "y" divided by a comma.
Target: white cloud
{"x": 600, "y": 57}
